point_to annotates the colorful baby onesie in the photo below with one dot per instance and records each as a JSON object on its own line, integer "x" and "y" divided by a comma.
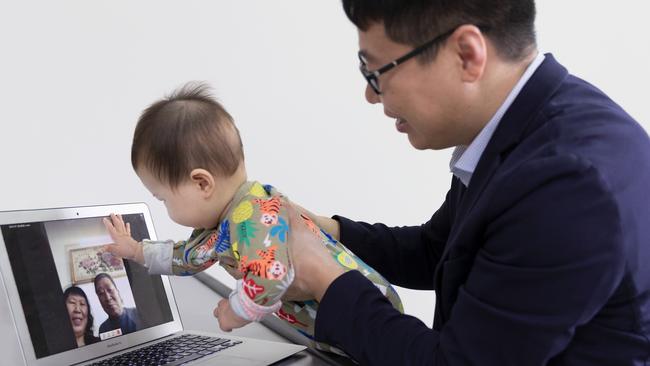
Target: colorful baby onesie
{"x": 251, "y": 244}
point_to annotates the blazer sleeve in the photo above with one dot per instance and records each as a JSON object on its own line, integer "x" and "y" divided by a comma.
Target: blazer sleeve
{"x": 406, "y": 256}
{"x": 552, "y": 256}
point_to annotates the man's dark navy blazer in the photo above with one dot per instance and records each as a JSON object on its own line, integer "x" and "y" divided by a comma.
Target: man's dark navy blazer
{"x": 544, "y": 259}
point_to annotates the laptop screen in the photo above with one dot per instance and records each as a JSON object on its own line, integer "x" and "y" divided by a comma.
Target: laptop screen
{"x": 74, "y": 293}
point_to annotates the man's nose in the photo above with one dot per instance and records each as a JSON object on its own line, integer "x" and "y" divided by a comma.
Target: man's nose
{"x": 371, "y": 96}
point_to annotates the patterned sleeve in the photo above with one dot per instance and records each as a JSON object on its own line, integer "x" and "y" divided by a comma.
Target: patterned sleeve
{"x": 158, "y": 256}
{"x": 182, "y": 258}
{"x": 260, "y": 238}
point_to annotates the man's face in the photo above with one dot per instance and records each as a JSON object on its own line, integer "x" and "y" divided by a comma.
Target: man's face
{"x": 109, "y": 297}
{"x": 427, "y": 101}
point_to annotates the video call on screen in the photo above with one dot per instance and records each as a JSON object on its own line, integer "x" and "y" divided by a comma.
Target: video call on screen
{"x": 126, "y": 286}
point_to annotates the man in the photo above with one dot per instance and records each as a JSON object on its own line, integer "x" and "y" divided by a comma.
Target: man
{"x": 119, "y": 317}
{"x": 539, "y": 254}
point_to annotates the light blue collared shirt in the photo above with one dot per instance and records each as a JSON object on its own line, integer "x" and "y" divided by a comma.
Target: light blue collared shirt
{"x": 465, "y": 158}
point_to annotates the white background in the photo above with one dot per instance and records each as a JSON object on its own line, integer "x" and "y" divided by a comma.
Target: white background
{"x": 75, "y": 75}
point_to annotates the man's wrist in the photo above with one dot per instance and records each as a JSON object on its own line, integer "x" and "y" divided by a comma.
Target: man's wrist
{"x": 331, "y": 226}
{"x": 323, "y": 278}
{"x": 336, "y": 229}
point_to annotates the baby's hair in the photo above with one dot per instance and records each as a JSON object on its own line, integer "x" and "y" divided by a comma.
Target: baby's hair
{"x": 187, "y": 130}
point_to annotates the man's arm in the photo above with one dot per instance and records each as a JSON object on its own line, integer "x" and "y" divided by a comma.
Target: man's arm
{"x": 407, "y": 256}
{"x": 551, "y": 260}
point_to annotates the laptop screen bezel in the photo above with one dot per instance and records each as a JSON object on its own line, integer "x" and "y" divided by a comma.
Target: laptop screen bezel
{"x": 99, "y": 349}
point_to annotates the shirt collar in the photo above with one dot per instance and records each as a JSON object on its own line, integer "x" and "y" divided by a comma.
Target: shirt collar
{"x": 465, "y": 158}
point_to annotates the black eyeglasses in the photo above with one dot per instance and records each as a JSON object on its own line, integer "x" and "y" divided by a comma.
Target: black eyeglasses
{"x": 372, "y": 77}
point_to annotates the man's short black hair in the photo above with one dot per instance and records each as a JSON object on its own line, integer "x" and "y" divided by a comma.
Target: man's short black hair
{"x": 509, "y": 24}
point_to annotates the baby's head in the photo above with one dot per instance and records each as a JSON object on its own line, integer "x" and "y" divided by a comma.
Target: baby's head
{"x": 188, "y": 153}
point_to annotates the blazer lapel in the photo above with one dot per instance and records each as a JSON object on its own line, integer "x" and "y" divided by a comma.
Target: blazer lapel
{"x": 519, "y": 121}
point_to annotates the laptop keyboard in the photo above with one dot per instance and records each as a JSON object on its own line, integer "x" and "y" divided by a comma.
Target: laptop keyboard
{"x": 172, "y": 352}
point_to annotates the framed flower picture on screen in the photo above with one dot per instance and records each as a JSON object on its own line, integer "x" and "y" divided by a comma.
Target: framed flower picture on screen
{"x": 87, "y": 262}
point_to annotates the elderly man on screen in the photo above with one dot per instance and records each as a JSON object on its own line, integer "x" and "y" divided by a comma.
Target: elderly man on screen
{"x": 119, "y": 317}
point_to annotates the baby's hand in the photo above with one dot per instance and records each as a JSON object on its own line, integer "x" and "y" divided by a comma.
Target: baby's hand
{"x": 124, "y": 245}
{"x": 228, "y": 320}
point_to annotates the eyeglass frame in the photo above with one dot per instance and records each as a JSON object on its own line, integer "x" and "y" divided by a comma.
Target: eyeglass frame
{"x": 372, "y": 77}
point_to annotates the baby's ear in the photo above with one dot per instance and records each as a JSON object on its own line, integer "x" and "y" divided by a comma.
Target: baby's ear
{"x": 203, "y": 180}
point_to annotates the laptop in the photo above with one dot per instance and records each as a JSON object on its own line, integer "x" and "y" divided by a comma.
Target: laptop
{"x": 51, "y": 312}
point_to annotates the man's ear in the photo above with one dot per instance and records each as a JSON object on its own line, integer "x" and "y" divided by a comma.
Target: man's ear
{"x": 471, "y": 48}
{"x": 203, "y": 180}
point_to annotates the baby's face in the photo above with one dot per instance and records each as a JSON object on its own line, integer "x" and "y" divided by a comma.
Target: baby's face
{"x": 199, "y": 200}
{"x": 183, "y": 203}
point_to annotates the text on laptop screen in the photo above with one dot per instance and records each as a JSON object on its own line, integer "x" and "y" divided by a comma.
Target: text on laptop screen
{"x": 72, "y": 291}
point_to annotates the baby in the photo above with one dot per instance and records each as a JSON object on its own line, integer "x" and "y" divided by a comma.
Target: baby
{"x": 187, "y": 152}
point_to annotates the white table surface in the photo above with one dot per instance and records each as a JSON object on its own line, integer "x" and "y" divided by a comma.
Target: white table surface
{"x": 196, "y": 301}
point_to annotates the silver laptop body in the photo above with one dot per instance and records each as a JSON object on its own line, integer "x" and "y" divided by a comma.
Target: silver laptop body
{"x": 43, "y": 252}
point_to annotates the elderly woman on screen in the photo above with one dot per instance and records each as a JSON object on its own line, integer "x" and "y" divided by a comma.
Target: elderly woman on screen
{"x": 81, "y": 318}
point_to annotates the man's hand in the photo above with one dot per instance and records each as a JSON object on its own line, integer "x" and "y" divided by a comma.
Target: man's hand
{"x": 315, "y": 269}
{"x": 228, "y": 320}
{"x": 328, "y": 224}
{"x": 124, "y": 245}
